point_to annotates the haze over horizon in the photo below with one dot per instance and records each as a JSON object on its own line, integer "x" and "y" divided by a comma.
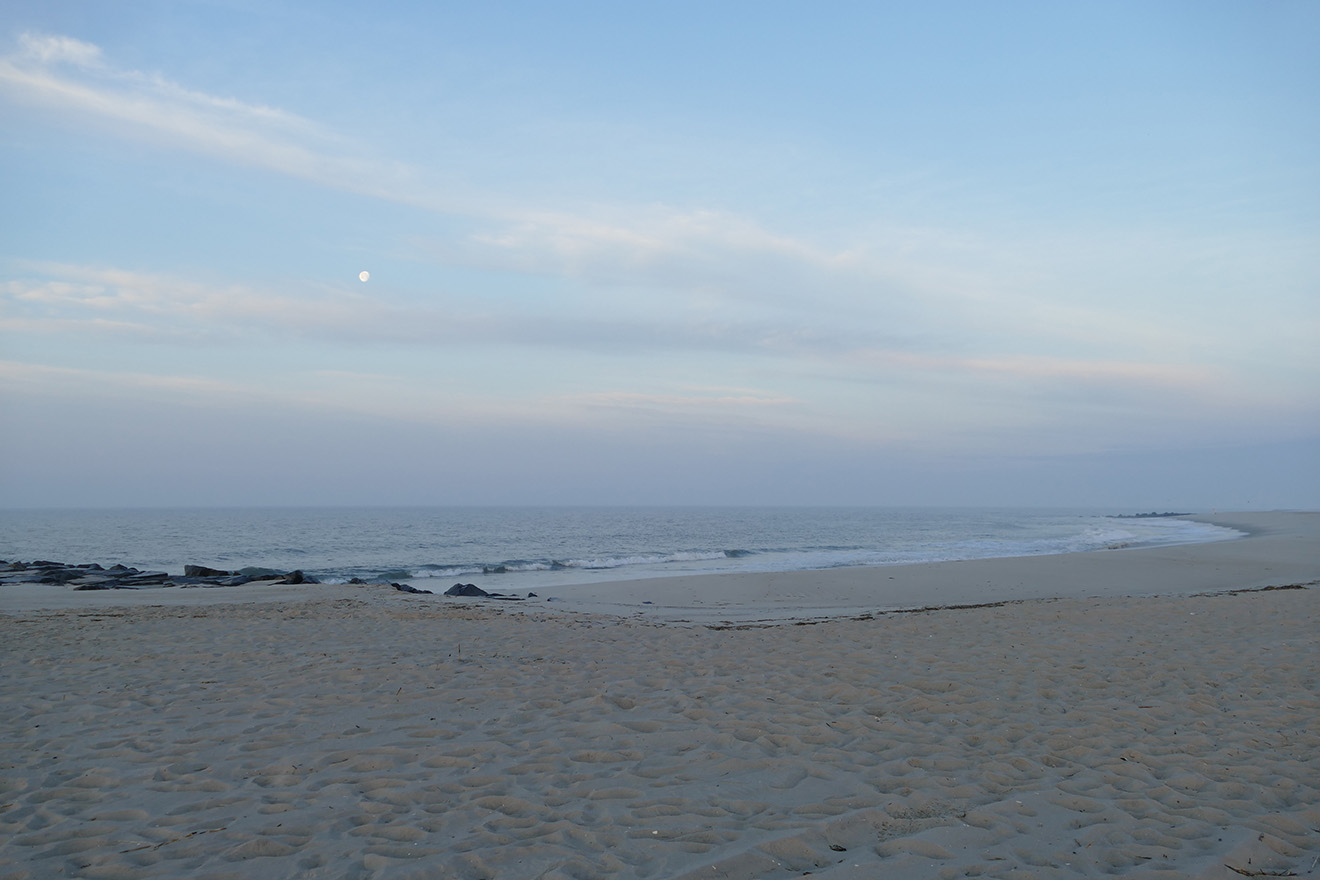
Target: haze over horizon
{"x": 588, "y": 253}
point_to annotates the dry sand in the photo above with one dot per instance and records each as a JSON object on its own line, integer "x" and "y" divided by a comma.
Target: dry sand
{"x": 361, "y": 732}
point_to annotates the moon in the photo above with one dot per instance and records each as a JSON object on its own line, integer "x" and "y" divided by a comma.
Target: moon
{"x": 363, "y": 275}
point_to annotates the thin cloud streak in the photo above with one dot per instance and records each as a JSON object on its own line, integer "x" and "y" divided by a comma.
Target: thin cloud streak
{"x": 1061, "y": 404}
{"x": 1171, "y": 377}
{"x": 114, "y": 300}
{"x": 336, "y": 393}
{"x": 143, "y": 106}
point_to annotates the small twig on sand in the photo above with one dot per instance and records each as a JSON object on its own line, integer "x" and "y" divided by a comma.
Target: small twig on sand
{"x": 1259, "y": 873}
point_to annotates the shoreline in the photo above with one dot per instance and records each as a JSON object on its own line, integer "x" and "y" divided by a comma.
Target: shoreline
{"x": 1157, "y": 736}
{"x": 1278, "y": 549}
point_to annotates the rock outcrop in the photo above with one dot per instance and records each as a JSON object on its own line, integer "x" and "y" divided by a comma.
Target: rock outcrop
{"x": 92, "y": 576}
{"x": 473, "y": 591}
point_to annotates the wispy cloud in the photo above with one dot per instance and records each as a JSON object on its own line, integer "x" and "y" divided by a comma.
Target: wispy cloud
{"x": 110, "y": 300}
{"x": 1164, "y": 377}
{"x": 69, "y": 76}
{"x": 325, "y": 398}
{"x": 396, "y": 399}
{"x": 711, "y": 258}
{"x": 737, "y": 402}
{"x": 41, "y": 56}
{"x": 805, "y": 384}
{"x": 317, "y": 393}
{"x": 56, "y": 49}
{"x": 168, "y": 307}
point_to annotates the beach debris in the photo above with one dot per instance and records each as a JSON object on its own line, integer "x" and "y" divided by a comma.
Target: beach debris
{"x": 1249, "y": 873}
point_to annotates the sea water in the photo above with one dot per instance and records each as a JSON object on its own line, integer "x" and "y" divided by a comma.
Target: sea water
{"x": 512, "y": 548}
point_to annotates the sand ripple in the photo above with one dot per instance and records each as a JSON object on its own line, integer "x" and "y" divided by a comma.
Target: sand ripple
{"x": 1138, "y": 737}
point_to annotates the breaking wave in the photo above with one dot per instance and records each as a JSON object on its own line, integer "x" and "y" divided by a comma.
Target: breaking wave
{"x": 588, "y": 563}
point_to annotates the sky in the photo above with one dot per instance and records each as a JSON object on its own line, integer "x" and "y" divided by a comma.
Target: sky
{"x": 855, "y": 253}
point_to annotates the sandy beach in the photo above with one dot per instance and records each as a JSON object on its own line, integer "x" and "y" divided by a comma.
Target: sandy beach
{"x": 1151, "y": 713}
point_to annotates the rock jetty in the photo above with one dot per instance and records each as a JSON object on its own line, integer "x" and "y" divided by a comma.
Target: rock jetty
{"x": 93, "y": 576}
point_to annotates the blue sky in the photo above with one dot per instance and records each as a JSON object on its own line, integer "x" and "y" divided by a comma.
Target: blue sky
{"x": 854, "y": 253}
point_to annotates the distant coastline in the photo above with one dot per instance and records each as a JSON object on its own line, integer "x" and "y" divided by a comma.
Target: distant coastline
{"x": 1151, "y": 515}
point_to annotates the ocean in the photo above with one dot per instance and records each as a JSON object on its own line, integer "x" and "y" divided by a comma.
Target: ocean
{"x": 514, "y": 548}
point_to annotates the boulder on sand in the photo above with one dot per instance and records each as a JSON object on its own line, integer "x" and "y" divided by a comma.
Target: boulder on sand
{"x": 466, "y": 590}
{"x": 478, "y": 593}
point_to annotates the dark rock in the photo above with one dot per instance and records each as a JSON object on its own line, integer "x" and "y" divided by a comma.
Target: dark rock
{"x": 466, "y": 590}
{"x": 145, "y": 579}
{"x": 257, "y": 573}
{"x": 473, "y": 591}
{"x": 61, "y": 575}
{"x": 91, "y": 576}
{"x": 1150, "y": 515}
{"x": 407, "y": 588}
{"x": 201, "y": 571}
{"x": 236, "y": 580}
